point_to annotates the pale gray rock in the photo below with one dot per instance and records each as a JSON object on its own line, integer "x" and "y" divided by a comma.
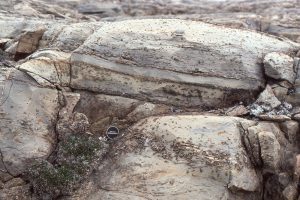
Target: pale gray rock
{"x": 67, "y": 38}
{"x": 146, "y": 110}
{"x": 178, "y": 157}
{"x": 294, "y": 98}
{"x": 281, "y": 90}
{"x": 279, "y": 66}
{"x": 265, "y": 126}
{"x": 275, "y": 118}
{"x": 123, "y": 68}
{"x": 252, "y": 145}
{"x": 291, "y": 128}
{"x": 270, "y": 150}
{"x": 255, "y": 145}
{"x": 297, "y": 117}
{"x": 49, "y": 68}
{"x": 28, "y": 115}
{"x": 268, "y": 99}
{"x": 297, "y": 65}
{"x": 105, "y": 9}
{"x": 297, "y": 166}
{"x": 280, "y": 19}
{"x": 132, "y": 57}
{"x": 15, "y": 26}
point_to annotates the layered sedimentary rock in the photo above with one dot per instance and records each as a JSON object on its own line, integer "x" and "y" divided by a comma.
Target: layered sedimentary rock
{"x": 174, "y": 61}
{"x": 170, "y": 61}
{"x": 161, "y": 75}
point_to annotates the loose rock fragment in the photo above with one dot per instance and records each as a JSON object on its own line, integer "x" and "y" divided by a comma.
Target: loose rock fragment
{"x": 48, "y": 67}
{"x": 279, "y": 66}
{"x": 281, "y": 90}
{"x": 237, "y": 111}
{"x": 267, "y": 99}
{"x": 276, "y": 118}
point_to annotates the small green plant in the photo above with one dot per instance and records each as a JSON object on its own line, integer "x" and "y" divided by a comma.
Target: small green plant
{"x": 82, "y": 148}
{"x": 77, "y": 155}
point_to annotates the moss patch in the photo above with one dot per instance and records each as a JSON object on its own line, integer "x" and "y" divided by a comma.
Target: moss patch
{"x": 77, "y": 156}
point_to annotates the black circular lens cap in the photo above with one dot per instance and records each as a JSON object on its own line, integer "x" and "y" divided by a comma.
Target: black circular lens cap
{"x": 112, "y": 132}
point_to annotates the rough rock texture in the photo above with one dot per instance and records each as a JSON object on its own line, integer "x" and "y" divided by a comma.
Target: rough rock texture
{"x": 170, "y": 75}
{"x": 28, "y": 114}
{"x": 178, "y": 62}
{"x": 163, "y": 67}
{"x": 187, "y": 157}
{"x": 279, "y": 18}
{"x": 178, "y": 157}
{"x": 268, "y": 98}
{"x": 48, "y": 68}
{"x": 270, "y": 150}
{"x": 116, "y": 110}
{"x": 279, "y": 66}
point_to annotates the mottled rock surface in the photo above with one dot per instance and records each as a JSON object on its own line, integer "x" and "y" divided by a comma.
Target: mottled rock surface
{"x": 279, "y": 66}
{"x": 170, "y": 75}
{"x": 180, "y": 157}
{"x": 28, "y": 114}
{"x": 178, "y": 62}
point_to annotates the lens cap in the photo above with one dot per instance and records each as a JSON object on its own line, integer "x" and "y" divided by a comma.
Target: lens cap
{"x": 112, "y": 132}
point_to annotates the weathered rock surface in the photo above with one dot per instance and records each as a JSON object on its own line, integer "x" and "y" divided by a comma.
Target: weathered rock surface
{"x": 163, "y": 67}
{"x": 280, "y": 18}
{"x": 270, "y": 150}
{"x": 70, "y": 69}
{"x": 68, "y": 37}
{"x": 159, "y": 60}
{"x": 120, "y": 111}
{"x": 49, "y": 68}
{"x": 178, "y": 157}
{"x": 15, "y": 189}
{"x": 291, "y": 128}
{"x": 268, "y": 99}
{"x": 28, "y": 114}
{"x": 189, "y": 157}
{"x": 239, "y": 110}
{"x": 279, "y": 66}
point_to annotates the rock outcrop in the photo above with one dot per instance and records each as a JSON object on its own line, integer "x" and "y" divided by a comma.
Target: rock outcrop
{"x": 28, "y": 115}
{"x": 179, "y": 157}
{"x": 205, "y": 96}
{"x": 178, "y": 62}
{"x": 170, "y": 61}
